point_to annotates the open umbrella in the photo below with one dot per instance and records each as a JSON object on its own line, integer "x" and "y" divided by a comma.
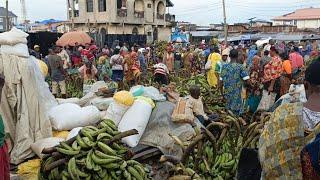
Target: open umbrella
{"x": 71, "y": 38}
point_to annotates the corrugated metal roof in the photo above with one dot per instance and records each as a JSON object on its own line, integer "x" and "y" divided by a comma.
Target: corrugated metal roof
{"x": 3, "y": 13}
{"x": 204, "y": 33}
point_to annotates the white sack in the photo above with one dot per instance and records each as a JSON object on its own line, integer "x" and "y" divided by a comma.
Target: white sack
{"x": 74, "y": 132}
{"x": 137, "y": 117}
{"x": 20, "y": 50}
{"x": 115, "y": 112}
{"x": 69, "y": 116}
{"x": 69, "y": 100}
{"x": 101, "y": 103}
{"x": 39, "y": 145}
{"x": 13, "y": 37}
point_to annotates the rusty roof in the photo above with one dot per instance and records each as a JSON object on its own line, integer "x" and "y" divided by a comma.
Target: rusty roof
{"x": 301, "y": 14}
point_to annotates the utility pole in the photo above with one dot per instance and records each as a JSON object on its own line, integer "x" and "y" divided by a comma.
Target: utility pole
{"x": 7, "y": 16}
{"x": 72, "y": 15}
{"x": 225, "y": 22}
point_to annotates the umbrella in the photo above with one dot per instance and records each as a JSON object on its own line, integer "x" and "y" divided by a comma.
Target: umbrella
{"x": 71, "y": 38}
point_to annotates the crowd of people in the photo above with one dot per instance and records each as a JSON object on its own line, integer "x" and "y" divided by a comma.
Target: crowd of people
{"x": 242, "y": 73}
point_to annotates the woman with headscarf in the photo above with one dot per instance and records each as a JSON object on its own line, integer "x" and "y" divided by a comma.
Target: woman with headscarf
{"x": 290, "y": 128}
{"x": 213, "y": 59}
{"x": 104, "y": 69}
{"x": 117, "y": 64}
{"x": 272, "y": 73}
{"x": 136, "y": 67}
{"x": 254, "y": 84}
{"x": 88, "y": 71}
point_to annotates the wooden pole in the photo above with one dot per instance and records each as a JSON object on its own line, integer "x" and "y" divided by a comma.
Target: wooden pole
{"x": 225, "y": 22}
{"x": 7, "y": 16}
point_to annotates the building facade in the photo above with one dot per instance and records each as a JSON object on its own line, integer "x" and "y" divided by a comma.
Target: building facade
{"x": 3, "y": 22}
{"x": 137, "y": 17}
{"x": 308, "y": 18}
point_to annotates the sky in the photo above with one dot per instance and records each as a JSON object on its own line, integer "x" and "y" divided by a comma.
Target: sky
{"x": 202, "y": 12}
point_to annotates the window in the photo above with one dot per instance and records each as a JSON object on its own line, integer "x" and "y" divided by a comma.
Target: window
{"x": 121, "y": 3}
{"x": 149, "y": 5}
{"x": 135, "y": 31}
{"x": 89, "y": 4}
{"x": 149, "y": 33}
{"x": 1, "y": 27}
{"x": 1, "y": 20}
{"x": 102, "y": 5}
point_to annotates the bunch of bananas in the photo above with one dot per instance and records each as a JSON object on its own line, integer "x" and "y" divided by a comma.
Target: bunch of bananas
{"x": 160, "y": 48}
{"x": 92, "y": 155}
{"x": 217, "y": 156}
{"x": 74, "y": 85}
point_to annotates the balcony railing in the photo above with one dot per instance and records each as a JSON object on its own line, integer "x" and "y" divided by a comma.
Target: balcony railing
{"x": 139, "y": 14}
{"x": 122, "y": 12}
{"x": 160, "y": 16}
{"x": 170, "y": 18}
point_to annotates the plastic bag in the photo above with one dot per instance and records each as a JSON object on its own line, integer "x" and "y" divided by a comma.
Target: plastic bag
{"x": 116, "y": 111}
{"x": 267, "y": 100}
{"x": 298, "y": 93}
{"x": 38, "y": 146}
{"x": 101, "y": 103}
{"x": 153, "y": 93}
{"x": 86, "y": 89}
{"x": 137, "y": 90}
{"x": 124, "y": 97}
{"x": 137, "y": 117}
{"x": 73, "y": 133}
{"x": 69, "y": 116}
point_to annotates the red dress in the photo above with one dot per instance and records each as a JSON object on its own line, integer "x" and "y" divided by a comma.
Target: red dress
{"x": 4, "y": 163}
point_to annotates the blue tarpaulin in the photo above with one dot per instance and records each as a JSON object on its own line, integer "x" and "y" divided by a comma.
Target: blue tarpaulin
{"x": 179, "y": 37}
{"x": 49, "y": 21}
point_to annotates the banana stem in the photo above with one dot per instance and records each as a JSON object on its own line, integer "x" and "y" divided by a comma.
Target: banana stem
{"x": 190, "y": 148}
{"x": 122, "y": 135}
{"x": 55, "y": 164}
{"x": 211, "y": 138}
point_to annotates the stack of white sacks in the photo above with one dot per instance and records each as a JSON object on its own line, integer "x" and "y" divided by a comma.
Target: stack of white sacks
{"x": 128, "y": 110}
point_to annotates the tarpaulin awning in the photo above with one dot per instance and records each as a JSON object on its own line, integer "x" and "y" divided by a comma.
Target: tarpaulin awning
{"x": 179, "y": 38}
{"x": 71, "y": 38}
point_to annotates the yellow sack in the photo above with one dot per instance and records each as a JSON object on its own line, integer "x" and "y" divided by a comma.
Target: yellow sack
{"x": 124, "y": 98}
{"x": 43, "y": 68}
{"x": 60, "y": 134}
{"x": 147, "y": 100}
{"x": 29, "y": 170}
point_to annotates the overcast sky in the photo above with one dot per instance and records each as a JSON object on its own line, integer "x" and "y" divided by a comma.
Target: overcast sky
{"x": 201, "y": 12}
